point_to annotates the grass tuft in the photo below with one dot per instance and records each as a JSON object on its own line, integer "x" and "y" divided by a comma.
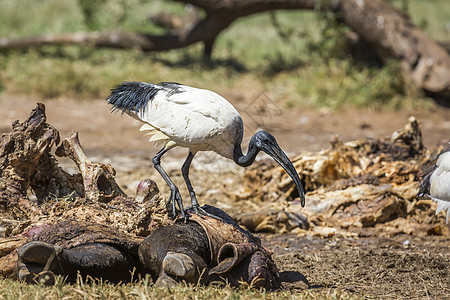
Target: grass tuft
{"x": 97, "y": 289}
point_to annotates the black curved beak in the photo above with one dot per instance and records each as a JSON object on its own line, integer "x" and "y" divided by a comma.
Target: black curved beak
{"x": 274, "y": 151}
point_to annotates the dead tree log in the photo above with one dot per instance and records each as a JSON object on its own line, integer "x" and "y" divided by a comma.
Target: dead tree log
{"x": 205, "y": 30}
{"x": 219, "y": 15}
{"x": 390, "y": 30}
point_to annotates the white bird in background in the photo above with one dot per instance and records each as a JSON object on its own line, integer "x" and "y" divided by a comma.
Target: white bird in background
{"x": 435, "y": 183}
{"x": 198, "y": 119}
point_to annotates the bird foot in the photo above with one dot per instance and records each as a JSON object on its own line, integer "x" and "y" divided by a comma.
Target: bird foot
{"x": 202, "y": 213}
{"x": 175, "y": 198}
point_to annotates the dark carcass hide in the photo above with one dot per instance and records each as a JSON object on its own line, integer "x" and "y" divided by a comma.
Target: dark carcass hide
{"x": 85, "y": 223}
{"x": 79, "y": 247}
{"x": 205, "y": 250}
{"x": 201, "y": 250}
{"x": 121, "y": 215}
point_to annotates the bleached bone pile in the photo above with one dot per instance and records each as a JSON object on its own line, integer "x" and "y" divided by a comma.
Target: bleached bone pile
{"x": 354, "y": 188}
{"x": 365, "y": 187}
{"x": 27, "y": 166}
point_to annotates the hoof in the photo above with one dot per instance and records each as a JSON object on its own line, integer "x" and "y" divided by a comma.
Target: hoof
{"x": 38, "y": 263}
{"x": 46, "y": 278}
{"x": 37, "y": 252}
{"x": 165, "y": 281}
{"x": 184, "y": 266}
{"x": 179, "y": 264}
{"x": 35, "y": 275}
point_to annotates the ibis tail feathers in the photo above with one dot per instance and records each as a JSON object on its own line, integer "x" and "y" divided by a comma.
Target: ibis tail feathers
{"x": 442, "y": 206}
{"x": 157, "y": 136}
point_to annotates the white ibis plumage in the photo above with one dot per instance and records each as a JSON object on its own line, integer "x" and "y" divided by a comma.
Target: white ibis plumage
{"x": 435, "y": 183}
{"x": 198, "y": 119}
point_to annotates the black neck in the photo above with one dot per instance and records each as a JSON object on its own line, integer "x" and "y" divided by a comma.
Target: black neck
{"x": 245, "y": 160}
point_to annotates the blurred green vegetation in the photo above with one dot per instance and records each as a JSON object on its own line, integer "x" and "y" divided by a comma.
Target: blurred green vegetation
{"x": 300, "y": 57}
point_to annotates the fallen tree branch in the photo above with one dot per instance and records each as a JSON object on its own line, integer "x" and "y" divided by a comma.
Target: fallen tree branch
{"x": 390, "y": 30}
{"x": 205, "y": 30}
{"x": 220, "y": 14}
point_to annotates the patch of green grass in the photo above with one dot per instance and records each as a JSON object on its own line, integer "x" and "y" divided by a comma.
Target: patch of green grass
{"x": 340, "y": 82}
{"x": 23, "y": 18}
{"x": 95, "y": 289}
{"x": 87, "y": 76}
{"x": 432, "y": 16}
{"x": 296, "y": 56}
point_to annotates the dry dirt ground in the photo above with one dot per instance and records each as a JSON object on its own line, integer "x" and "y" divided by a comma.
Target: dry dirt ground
{"x": 397, "y": 267}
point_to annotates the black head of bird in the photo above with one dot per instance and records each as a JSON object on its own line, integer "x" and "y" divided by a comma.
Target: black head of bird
{"x": 264, "y": 141}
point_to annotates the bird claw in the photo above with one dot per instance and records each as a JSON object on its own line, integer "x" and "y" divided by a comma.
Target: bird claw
{"x": 202, "y": 213}
{"x": 175, "y": 198}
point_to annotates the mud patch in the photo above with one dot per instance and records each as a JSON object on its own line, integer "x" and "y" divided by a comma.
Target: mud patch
{"x": 387, "y": 268}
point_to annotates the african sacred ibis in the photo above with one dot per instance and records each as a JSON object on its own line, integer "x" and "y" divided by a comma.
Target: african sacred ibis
{"x": 198, "y": 119}
{"x": 435, "y": 183}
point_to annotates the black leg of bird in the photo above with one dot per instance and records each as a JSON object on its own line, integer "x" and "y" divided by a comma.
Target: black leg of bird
{"x": 185, "y": 172}
{"x": 194, "y": 203}
{"x": 175, "y": 197}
